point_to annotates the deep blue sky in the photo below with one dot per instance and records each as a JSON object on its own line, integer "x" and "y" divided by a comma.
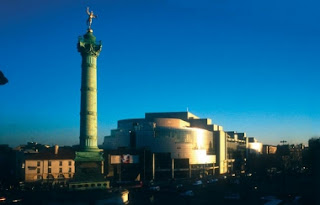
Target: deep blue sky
{"x": 250, "y": 66}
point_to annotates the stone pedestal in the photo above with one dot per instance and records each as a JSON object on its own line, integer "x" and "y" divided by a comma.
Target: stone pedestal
{"x": 89, "y": 172}
{"x": 89, "y": 166}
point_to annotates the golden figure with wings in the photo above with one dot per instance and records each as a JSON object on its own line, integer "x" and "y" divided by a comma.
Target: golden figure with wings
{"x": 91, "y": 16}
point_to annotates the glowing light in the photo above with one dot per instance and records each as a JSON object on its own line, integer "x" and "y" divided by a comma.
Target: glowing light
{"x": 200, "y": 156}
{"x": 125, "y": 196}
{"x": 257, "y": 146}
{"x": 200, "y": 136}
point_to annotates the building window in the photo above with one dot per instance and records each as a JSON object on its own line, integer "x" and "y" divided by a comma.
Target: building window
{"x": 38, "y": 170}
{"x": 60, "y": 170}
{"x": 60, "y": 163}
{"x": 49, "y": 170}
{"x": 38, "y": 163}
{"x": 69, "y": 169}
{"x": 49, "y": 163}
{"x": 69, "y": 163}
{"x": 39, "y": 177}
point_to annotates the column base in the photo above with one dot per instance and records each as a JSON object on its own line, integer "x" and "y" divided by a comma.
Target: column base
{"x": 89, "y": 172}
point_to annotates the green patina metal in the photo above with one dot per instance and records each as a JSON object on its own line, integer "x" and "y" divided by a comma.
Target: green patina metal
{"x": 89, "y": 50}
{"x": 89, "y": 37}
{"x": 89, "y": 156}
{"x": 87, "y": 45}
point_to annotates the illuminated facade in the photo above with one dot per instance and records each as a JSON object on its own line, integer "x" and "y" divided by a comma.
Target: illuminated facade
{"x": 254, "y": 147}
{"x": 205, "y": 147}
{"x": 161, "y": 134}
{"x": 269, "y": 149}
{"x": 52, "y": 165}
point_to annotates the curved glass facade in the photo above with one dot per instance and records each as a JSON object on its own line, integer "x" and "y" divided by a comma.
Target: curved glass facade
{"x": 199, "y": 138}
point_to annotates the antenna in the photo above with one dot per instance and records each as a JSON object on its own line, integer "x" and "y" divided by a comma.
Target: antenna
{"x": 283, "y": 141}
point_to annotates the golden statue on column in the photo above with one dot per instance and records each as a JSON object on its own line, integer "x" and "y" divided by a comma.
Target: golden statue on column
{"x": 91, "y": 16}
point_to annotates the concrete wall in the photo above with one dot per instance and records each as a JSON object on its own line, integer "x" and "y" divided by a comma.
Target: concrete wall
{"x": 221, "y": 150}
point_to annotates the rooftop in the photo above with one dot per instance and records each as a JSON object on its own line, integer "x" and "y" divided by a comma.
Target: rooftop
{"x": 63, "y": 153}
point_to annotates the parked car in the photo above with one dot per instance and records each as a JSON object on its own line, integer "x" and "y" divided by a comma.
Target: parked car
{"x": 2, "y": 199}
{"x": 197, "y": 183}
{"x": 232, "y": 196}
{"x": 154, "y": 188}
{"x": 271, "y": 200}
{"x": 179, "y": 186}
{"x": 211, "y": 181}
{"x": 187, "y": 193}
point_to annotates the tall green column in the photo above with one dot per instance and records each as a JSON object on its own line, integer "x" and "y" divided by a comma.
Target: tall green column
{"x": 89, "y": 158}
{"x": 89, "y": 51}
{"x": 89, "y": 161}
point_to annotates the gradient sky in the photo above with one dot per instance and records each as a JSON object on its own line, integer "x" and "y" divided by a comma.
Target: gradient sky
{"x": 251, "y": 66}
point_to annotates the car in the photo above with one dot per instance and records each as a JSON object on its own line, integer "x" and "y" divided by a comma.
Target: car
{"x": 271, "y": 200}
{"x": 197, "y": 183}
{"x": 154, "y": 188}
{"x": 268, "y": 198}
{"x": 187, "y": 193}
{"x": 16, "y": 200}
{"x": 211, "y": 181}
{"x": 2, "y": 198}
{"x": 232, "y": 196}
{"x": 179, "y": 186}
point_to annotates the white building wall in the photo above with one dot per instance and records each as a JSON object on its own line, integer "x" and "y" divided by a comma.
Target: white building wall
{"x": 255, "y": 147}
{"x": 39, "y": 169}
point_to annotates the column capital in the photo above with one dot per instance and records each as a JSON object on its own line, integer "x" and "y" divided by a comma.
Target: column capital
{"x": 87, "y": 45}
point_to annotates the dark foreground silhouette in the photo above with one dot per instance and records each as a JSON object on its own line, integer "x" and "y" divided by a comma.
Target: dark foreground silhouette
{"x": 3, "y": 79}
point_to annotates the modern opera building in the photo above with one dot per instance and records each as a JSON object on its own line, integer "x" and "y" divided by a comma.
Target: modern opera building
{"x": 172, "y": 144}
